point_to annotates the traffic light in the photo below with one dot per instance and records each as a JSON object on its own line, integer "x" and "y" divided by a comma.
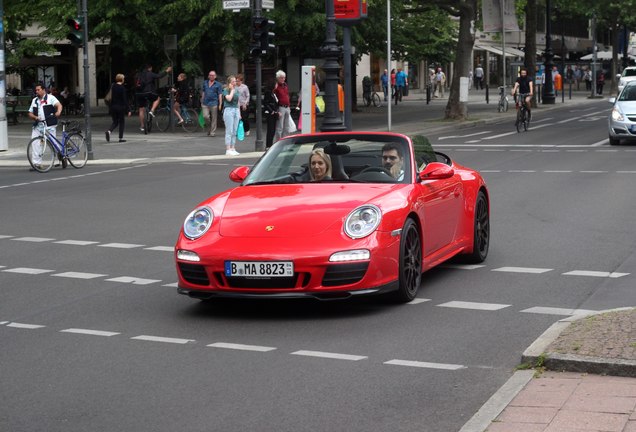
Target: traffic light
{"x": 76, "y": 31}
{"x": 267, "y": 36}
{"x": 258, "y": 28}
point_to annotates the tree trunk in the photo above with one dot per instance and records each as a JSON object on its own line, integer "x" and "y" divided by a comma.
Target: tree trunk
{"x": 616, "y": 29}
{"x": 530, "y": 58}
{"x": 455, "y": 109}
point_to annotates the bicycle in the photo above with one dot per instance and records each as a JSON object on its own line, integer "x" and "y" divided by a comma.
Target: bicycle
{"x": 502, "y": 106}
{"x": 42, "y": 150}
{"x": 371, "y": 98}
{"x": 523, "y": 115}
{"x": 147, "y": 104}
{"x": 190, "y": 118}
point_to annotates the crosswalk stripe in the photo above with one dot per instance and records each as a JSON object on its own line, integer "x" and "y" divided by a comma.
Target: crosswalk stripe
{"x": 522, "y": 270}
{"x": 611, "y": 275}
{"x": 76, "y": 242}
{"x": 79, "y": 275}
{"x": 33, "y": 239}
{"x": 428, "y": 365}
{"x": 162, "y": 339}
{"x": 121, "y": 245}
{"x": 418, "y": 301}
{"x": 462, "y": 266}
{"x": 474, "y": 305}
{"x": 27, "y": 270}
{"x": 557, "y": 311}
{"x": 89, "y": 332}
{"x": 25, "y": 326}
{"x": 241, "y": 347}
{"x": 329, "y": 355}
{"x": 161, "y": 248}
{"x": 133, "y": 280}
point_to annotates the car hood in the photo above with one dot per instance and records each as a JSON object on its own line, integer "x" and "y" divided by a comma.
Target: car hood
{"x": 627, "y": 107}
{"x": 282, "y": 211}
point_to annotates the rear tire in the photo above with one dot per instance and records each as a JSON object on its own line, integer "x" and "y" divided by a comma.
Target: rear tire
{"x": 376, "y": 100}
{"x": 190, "y": 120}
{"x": 39, "y": 149}
{"x": 614, "y": 141}
{"x": 162, "y": 119}
{"x": 76, "y": 150}
{"x": 410, "y": 264}
{"x": 481, "y": 230}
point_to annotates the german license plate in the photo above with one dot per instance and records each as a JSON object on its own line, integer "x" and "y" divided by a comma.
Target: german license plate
{"x": 259, "y": 268}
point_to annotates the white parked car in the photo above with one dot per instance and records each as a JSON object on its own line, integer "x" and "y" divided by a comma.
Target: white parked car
{"x": 629, "y": 74}
{"x": 622, "y": 118}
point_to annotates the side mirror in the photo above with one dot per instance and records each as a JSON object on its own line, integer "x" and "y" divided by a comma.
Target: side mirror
{"x": 435, "y": 171}
{"x": 618, "y": 76}
{"x": 238, "y": 174}
{"x": 612, "y": 100}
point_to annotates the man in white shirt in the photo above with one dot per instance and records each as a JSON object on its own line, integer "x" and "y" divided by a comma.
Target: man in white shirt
{"x": 37, "y": 113}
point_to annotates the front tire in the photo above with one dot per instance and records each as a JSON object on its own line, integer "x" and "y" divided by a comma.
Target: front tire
{"x": 410, "y": 264}
{"x": 41, "y": 154}
{"x": 614, "y": 141}
{"x": 481, "y": 230}
{"x": 76, "y": 150}
{"x": 376, "y": 100}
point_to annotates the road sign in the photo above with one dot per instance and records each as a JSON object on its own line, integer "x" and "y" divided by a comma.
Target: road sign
{"x": 236, "y": 4}
{"x": 349, "y": 12}
{"x": 268, "y": 4}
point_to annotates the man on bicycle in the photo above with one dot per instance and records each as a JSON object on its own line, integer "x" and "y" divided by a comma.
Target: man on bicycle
{"x": 147, "y": 91}
{"x": 524, "y": 86}
{"x": 44, "y": 107}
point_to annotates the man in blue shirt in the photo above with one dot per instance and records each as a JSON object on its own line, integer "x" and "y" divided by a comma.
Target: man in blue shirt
{"x": 384, "y": 79}
{"x": 400, "y": 83}
{"x": 211, "y": 93}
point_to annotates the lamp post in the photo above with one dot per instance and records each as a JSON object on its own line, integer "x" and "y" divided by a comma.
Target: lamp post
{"x": 331, "y": 52}
{"x": 548, "y": 87}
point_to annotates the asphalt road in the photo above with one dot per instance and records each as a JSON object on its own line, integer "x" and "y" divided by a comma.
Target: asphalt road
{"x": 95, "y": 337}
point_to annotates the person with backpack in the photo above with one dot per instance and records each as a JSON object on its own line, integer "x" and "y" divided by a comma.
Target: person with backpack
{"x": 146, "y": 91}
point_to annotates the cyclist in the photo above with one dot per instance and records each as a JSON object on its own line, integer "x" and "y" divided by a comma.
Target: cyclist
{"x": 182, "y": 96}
{"x": 43, "y": 107}
{"x": 524, "y": 86}
{"x": 147, "y": 91}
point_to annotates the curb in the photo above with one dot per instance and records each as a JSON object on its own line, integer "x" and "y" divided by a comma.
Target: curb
{"x": 537, "y": 352}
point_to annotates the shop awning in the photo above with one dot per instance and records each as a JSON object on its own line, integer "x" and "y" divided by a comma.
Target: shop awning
{"x": 510, "y": 52}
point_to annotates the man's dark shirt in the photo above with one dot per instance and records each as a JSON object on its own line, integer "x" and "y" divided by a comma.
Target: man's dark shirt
{"x": 524, "y": 84}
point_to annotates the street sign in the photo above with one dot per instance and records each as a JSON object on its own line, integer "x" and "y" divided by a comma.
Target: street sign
{"x": 268, "y": 4}
{"x": 348, "y": 12}
{"x": 236, "y": 4}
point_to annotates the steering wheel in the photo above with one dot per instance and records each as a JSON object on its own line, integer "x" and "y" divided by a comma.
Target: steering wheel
{"x": 377, "y": 169}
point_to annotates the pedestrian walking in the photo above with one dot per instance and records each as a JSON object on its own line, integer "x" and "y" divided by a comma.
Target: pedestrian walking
{"x": 270, "y": 109}
{"x": 231, "y": 115}
{"x": 600, "y": 82}
{"x": 384, "y": 79}
{"x": 401, "y": 81}
{"x": 440, "y": 82}
{"x": 479, "y": 77}
{"x": 119, "y": 107}
{"x": 211, "y": 93}
{"x": 587, "y": 77}
{"x": 244, "y": 102}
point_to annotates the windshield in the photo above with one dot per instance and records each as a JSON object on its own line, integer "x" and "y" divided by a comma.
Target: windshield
{"x": 364, "y": 158}
{"x": 629, "y": 72}
{"x": 628, "y": 93}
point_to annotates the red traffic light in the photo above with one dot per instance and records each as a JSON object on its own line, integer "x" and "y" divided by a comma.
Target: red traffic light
{"x": 74, "y": 24}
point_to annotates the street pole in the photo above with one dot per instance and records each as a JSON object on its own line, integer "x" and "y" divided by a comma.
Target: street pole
{"x": 331, "y": 52}
{"x": 388, "y": 60}
{"x": 565, "y": 75}
{"x": 593, "y": 95}
{"x": 87, "y": 87}
{"x": 258, "y": 144}
{"x": 4, "y": 133}
{"x": 503, "y": 42}
{"x": 346, "y": 40}
{"x": 548, "y": 87}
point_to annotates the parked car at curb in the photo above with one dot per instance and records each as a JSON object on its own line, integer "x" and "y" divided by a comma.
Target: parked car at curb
{"x": 622, "y": 118}
{"x": 628, "y": 75}
{"x": 387, "y": 209}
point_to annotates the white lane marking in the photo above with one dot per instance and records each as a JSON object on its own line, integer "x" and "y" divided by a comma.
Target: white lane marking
{"x": 161, "y": 248}
{"x": 162, "y": 339}
{"x": 474, "y": 305}
{"x": 79, "y": 275}
{"x": 522, "y": 171}
{"x": 595, "y": 274}
{"x": 27, "y": 270}
{"x": 496, "y": 150}
{"x": 133, "y": 280}
{"x": 472, "y": 141}
{"x": 418, "y": 301}
{"x": 557, "y": 171}
{"x": 241, "y": 347}
{"x": 444, "y": 366}
{"x": 593, "y": 172}
{"x": 626, "y": 172}
{"x": 25, "y": 326}
{"x": 522, "y": 270}
{"x": 541, "y": 126}
{"x": 174, "y": 284}
{"x": 490, "y": 171}
{"x": 329, "y": 355}
{"x": 466, "y": 150}
{"x": 522, "y": 150}
{"x": 557, "y": 311}
{"x": 76, "y": 242}
{"x": 500, "y": 135}
{"x": 121, "y": 245}
{"x": 4, "y": 322}
{"x": 463, "y": 136}
{"x": 33, "y": 239}
{"x": 89, "y": 332}
{"x": 463, "y": 266}
{"x": 5, "y": 236}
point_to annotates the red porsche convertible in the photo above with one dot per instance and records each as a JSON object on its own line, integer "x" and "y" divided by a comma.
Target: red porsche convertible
{"x": 334, "y": 215}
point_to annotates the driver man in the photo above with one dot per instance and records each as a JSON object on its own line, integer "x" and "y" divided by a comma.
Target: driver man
{"x": 393, "y": 161}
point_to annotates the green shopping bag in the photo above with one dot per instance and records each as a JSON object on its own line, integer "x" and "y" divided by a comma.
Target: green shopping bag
{"x": 201, "y": 119}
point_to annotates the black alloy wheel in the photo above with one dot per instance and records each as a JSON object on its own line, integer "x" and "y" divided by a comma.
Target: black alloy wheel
{"x": 481, "y": 239}
{"x": 410, "y": 276}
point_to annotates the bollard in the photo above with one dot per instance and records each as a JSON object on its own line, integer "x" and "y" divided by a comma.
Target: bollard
{"x": 487, "y": 88}
{"x": 428, "y": 93}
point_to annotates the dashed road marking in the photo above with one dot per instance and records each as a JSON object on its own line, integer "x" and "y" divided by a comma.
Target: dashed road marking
{"x": 329, "y": 355}
{"x": 133, "y": 280}
{"x": 522, "y": 270}
{"x": 121, "y": 245}
{"x": 27, "y": 270}
{"x": 89, "y": 332}
{"x": 5, "y": 236}
{"x": 79, "y": 275}
{"x": 174, "y": 284}
{"x": 463, "y": 266}
{"x": 25, "y": 326}
{"x": 162, "y": 339}
{"x": 557, "y": 311}
{"x": 76, "y": 242}
{"x": 161, "y": 248}
{"x": 428, "y": 365}
{"x": 474, "y": 305}
{"x": 241, "y": 347}
{"x": 33, "y": 239}
{"x": 602, "y": 274}
{"x": 418, "y": 301}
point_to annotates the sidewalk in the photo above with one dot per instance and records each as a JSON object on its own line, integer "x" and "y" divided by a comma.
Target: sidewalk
{"x": 583, "y": 380}
{"x": 413, "y": 116}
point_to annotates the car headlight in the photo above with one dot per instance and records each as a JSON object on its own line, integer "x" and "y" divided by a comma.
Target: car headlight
{"x": 197, "y": 223}
{"x": 617, "y": 115}
{"x": 362, "y": 221}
